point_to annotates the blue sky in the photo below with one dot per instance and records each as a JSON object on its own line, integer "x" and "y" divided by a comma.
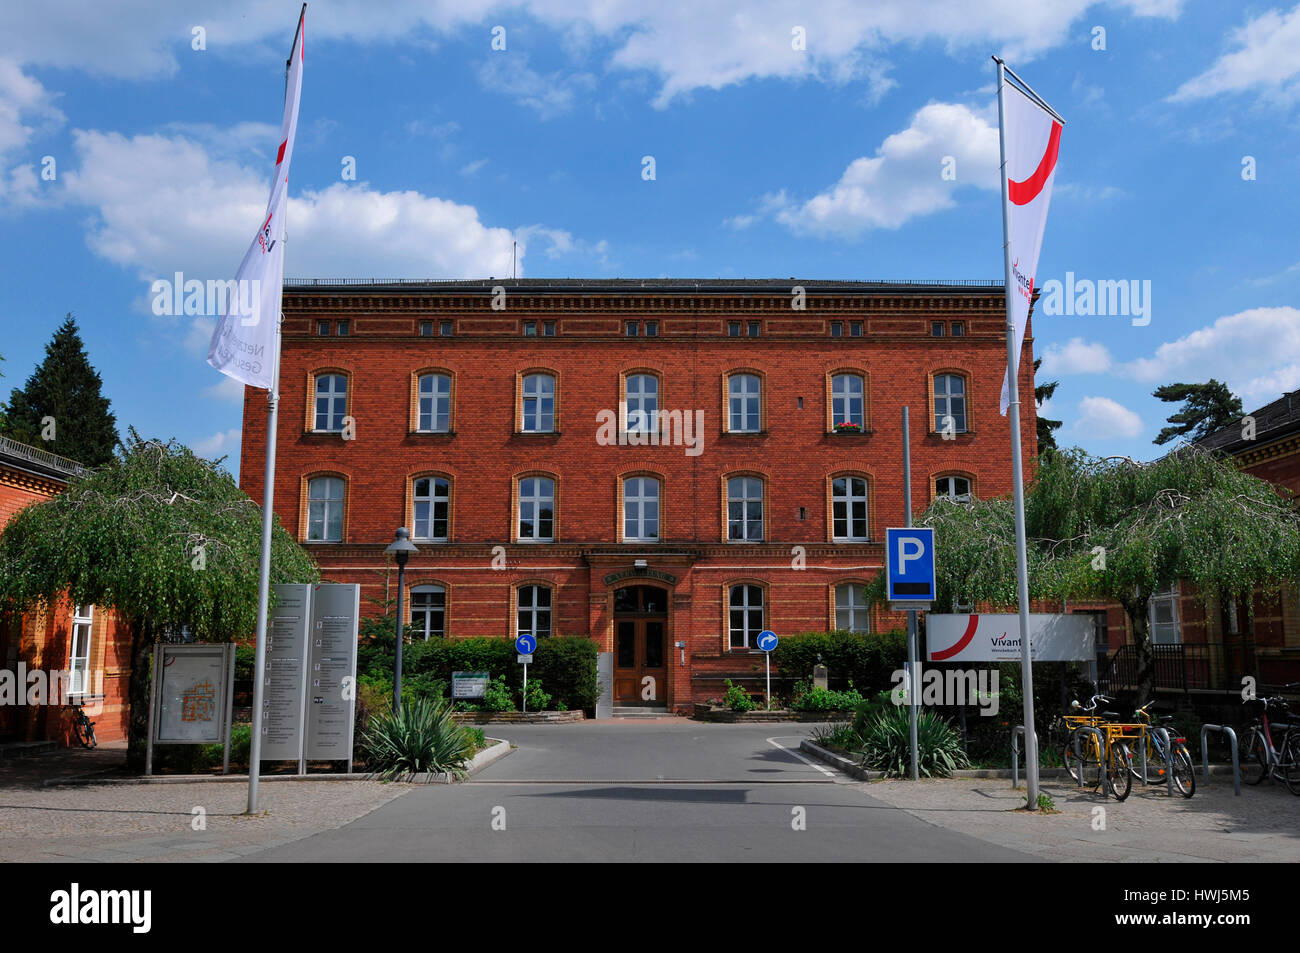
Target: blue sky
{"x": 770, "y": 161}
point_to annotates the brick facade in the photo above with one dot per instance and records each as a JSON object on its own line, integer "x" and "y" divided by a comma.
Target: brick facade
{"x": 888, "y": 341}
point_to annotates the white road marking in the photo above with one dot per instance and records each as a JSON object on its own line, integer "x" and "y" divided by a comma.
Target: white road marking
{"x": 812, "y": 764}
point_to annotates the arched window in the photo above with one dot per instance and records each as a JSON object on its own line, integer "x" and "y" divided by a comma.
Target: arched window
{"x": 852, "y": 613}
{"x": 745, "y": 607}
{"x": 428, "y": 612}
{"x": 536, "y": 509}
{"x": 744, "y": 396}
{"x": 538, "y": 412}
{"x": 847, "y": 400}
{"x": 434, "y": 403}
{"x": 955, "y": 488}
{"x": 640, "y": 509}
{"x": 331, "y": 402}
{"x": 745, "y": 509}
{"x": 325, "y": 509}
{"x": 642, "y": 400}
{"x": 949, "y": 403}
{"x": 849, "y": 509}
{"x": 534, "y": 615}
{"x": 431, "y": 497}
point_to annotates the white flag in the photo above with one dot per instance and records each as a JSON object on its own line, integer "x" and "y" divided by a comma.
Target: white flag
{"x": 1033, "y": 137}
{"x": 244, "y": 342}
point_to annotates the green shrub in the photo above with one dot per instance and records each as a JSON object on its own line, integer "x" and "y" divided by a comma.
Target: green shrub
{"x": 737, "y": 699}
{"x": 537, "y": 699}
{"x": 476, "y": 735}
{"x": 569, "y": 667}
{"x": 837, "y": 737}
{"x": 497, "y": 696}
{"x": 422, "y": 736}
{"x": 822, "y": 699}
{"x": 886, "y": 744}
{"x": 245, "y": 662}
{"x": 852, "y": 658}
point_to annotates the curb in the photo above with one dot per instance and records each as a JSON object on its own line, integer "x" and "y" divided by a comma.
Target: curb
{"x": 480, "y": 761}
{"x": 847, "y": 766}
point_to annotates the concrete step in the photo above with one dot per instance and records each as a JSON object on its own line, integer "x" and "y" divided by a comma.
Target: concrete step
{"x": 25, "y": 749}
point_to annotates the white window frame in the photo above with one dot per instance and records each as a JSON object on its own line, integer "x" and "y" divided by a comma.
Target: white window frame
{"x": 439, "y": 495}
{"x": 328, "y": 504}
{"x": 952, "y": 487}
{"x": 749, "y": 633}
{"x": 744, "y": 402}
{"x": 638, "y": 493}
{"x": 534, "y": 611}
{"x": 335, "y": 398}
{"x": 744, "y": 498}
{"x": 843, "y": 398}
{"x": 426, "y": 610}
{"x": 537, "y": 498}
{"x": 1165, "y": 596}
{"x": 534, "y": 412}
{"x": 948, "y": 396}
{"x": 438, "y": 401}
{"x": 641, "y": 404}
{"x": 83, "y": 633}
{"x": 851, "y": 501}
{"x": 855, "y": 604}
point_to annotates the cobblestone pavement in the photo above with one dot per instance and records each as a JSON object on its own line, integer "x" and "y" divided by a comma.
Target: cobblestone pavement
{"x": 155, "y": 822}
{"x": 1263, "y": 824}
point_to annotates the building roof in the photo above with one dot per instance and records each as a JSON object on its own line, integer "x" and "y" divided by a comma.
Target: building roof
{"x": 34, "y": 460}
{"x": 628, "y": 285}
{"x": 1281, "y": 418}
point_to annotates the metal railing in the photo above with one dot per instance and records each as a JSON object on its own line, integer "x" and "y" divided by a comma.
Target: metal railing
{"x": 41, "y": 457}
{"x": 1205, "y": 754}
{"x": 1184, "y": 666}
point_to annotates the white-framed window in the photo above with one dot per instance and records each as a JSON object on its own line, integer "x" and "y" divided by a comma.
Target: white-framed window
{"x": 1165, "y": 624}
{"x": 536, "y": 509}
{"x": 745, "y": 509}
{"x": 331, "y": 402}
{"x": 428, "y": 612}
{"x": 539, "y": 403}
{"x": 744, "y": 394}
{"x": 950, "y": 401}
{"x": 849, "y": 509}
{"x": 325, "y": 509}
{"x": 852, "y": 613}
{"x": 847, "y": 404}
{"x": 640, "y": 509}
{"x": 955, "y": 488}
{"x": 745, "y": 608}
{"x": 435, "y": 403}
{"x": 83, "y": 622}
{"x": 642, "y": 403}
{"x": 534, "y": 615}
{"x": 432, "y": 508}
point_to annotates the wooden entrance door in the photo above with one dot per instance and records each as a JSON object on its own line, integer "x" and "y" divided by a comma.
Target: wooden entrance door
{"x": 641, "y": 645}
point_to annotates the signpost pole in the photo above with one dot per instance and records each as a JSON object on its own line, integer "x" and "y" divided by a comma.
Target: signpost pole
{"x": 525, "y": 688}
{"x": 767, "y": 661}
{"x": 913, "y": 663}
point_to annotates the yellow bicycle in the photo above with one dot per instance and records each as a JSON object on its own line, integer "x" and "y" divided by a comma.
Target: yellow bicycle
{"x": 1111, "y": 751}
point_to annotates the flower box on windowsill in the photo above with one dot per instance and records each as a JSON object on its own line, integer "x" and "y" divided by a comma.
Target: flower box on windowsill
{"x": 849, "y": 430}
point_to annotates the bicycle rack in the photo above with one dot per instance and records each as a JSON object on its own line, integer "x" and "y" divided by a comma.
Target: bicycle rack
{"x": 1205, "y": 755}
{"x": 1017, "y": 733}
{"x": 1169, "y": 759}
{"x": 1101, "y": 765}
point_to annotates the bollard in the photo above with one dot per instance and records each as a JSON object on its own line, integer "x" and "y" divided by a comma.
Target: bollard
{"x": 1232, "y": 744}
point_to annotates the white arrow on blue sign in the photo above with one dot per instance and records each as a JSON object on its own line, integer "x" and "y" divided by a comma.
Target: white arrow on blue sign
{"x": 909, "y": 557}
{"x": 767, "y": 640}
{"x": 526, "y": 644}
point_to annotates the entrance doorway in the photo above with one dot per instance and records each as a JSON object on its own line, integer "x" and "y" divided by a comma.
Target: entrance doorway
{"x": 640, "y": 645}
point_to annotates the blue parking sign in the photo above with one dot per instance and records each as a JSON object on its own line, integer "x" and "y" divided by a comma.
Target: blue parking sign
{"x": 909, "y": 558}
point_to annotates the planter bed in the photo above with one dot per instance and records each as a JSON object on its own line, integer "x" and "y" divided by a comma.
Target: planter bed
{"x": 718, "y": 713}
{"x": 517, "y": 717}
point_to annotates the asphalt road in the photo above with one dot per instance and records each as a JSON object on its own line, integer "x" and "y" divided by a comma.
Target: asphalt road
{"x": 649, "y": 791}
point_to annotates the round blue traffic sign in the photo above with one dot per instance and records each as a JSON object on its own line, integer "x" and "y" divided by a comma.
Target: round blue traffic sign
{"x": 526, "y": 644}
{"x": 767, "y": 640}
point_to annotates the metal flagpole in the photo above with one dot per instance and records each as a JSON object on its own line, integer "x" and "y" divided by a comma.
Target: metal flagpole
{"x": 1017, "y": 474}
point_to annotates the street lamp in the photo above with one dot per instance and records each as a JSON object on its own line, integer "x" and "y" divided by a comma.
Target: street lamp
{"x": 401, "y": 548}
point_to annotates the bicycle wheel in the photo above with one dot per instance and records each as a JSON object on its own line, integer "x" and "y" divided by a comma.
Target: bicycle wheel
{"x": 1155, "y": 763}
{"x": 1291, "y": 761}
{"x": 79, "y": 732}
{"x": 91, "y": 740}
{"x": 1091, "y": 773}
{"x": 1118, "y": 766}
{"x": 1252, "y": 759}
{"x": 1185, "y": 771}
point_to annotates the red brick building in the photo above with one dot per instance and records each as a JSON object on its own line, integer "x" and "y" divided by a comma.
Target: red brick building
{"x": 658, "y": 465}
{"x": 82, "y": 643}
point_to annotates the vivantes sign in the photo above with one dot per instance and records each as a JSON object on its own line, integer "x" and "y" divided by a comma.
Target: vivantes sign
{"x": 1053, "y": 637}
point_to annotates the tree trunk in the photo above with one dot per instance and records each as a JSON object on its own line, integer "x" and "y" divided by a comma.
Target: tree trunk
{"x": 1146, "y": 659}
{"x": 142, "y": 639}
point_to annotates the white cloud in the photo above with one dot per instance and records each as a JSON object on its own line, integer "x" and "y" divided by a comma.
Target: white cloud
{"x": 561, "y": 243}
{"x": 905, "y": 179}
{"x": 470, "y": 168}
{"x": 26, "y": 108}
{"x": 1101, "y": 417}
{"x": 1267, "y": 58}
{"x": 550, "y": 95}
{"x": 1076, "y": 356}
{"x": 1255, "y": 352}
{"x": 220, "y": 444}
{"x": 227, "y": 389}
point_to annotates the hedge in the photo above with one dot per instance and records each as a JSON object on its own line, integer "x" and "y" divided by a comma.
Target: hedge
{"x": 566, "y": 666}
{"x": 867, "y": 660}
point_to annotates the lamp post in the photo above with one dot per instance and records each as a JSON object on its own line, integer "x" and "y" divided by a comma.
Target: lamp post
{"x": 401, "y": 548}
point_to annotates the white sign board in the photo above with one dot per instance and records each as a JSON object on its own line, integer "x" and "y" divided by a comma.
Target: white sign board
{"x": 192, "y": 688}
{"x": 284, "y": 688}
{"x": 332, "y": 676}
{"x": 996, "y": 638}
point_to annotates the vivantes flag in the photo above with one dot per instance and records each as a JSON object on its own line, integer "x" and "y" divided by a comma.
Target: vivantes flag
{"x": 1033, "y": 137}
{"x": 244, "y": 343}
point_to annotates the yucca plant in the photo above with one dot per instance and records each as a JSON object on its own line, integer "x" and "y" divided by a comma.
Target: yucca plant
{"x": 886, "y": 744}
{"x": 421, "y": 737}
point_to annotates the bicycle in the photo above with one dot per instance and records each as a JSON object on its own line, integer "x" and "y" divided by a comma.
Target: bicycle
{"x": 83, "y": 729}
{"x": 1112, "y": 751}
{"x": 1260, "y": 757}
{"x": 1184, "y": 769}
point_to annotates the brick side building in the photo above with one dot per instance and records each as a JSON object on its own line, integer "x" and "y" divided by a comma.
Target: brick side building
{"x": 662, "y": 466}
{"x": 82, "y": 642}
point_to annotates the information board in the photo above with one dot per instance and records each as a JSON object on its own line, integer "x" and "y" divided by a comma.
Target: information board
{"x": 331, "y": 677}
{"x": 284, "y": 685}
{"x": 191, "y": 693}
{"x": 1053, "y": 637}
{"x": 469, "y": 684}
